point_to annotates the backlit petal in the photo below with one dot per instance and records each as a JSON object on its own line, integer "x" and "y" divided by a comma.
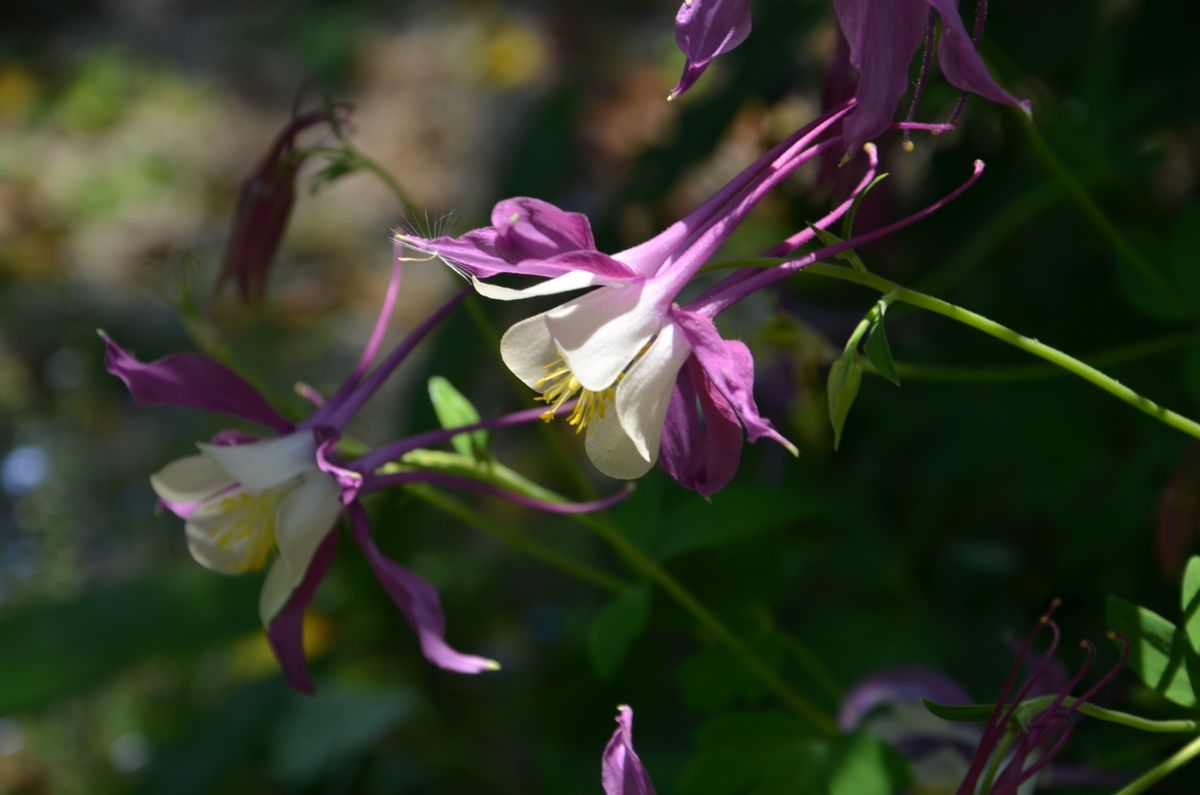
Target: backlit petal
{"x": 190, "y": 480}
{"x": 621, "y": 770}
{"x": 527, "y": 348}
{"x": 644, "y": 394}
{"x": 571, "y": 280}
{"x": 262, "y": 465}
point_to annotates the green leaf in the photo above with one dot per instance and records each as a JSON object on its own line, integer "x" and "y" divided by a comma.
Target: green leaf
{"x": 453, "y": 410}
{"x": 879, "y": 352}
{"x": 849, "y": 255}
{"x": 320, "y": 734}
{"x": 960, "y": 713}
{"x": 864, "y": 765}
{"x": 51, "y": 650}
{"x": 1185, "y": 253}
{"x": 616, "y": 628}
{"x": 844, "y": 378}
{"x": 1158, "y": 652}
{"x": 468, "y": 467}
{"x": 1190, "y": 597}
{"x": 759, "y": 753}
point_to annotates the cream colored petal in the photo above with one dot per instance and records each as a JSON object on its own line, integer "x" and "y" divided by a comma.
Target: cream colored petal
{"x": 612, "y": 451}
{"x": 216, "y": 551}
{"x": 277, "y": 589}
{"x": 190, "y": 480}
{"x": 600, "y": 333}
{"x": 304, "y": 518}
{"x": 645, "y": 392}
{"x": 527, "y": 348}
{"x": 261, "y": 465}
{"x": 572, "y": 280}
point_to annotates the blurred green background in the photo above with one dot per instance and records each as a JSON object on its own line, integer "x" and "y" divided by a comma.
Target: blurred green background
{"x": 956, "y": 508}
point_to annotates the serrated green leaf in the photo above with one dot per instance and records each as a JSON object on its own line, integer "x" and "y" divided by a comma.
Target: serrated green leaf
{"x": 1190, "y": 598}
{"x": 879, "y": 352}
{"x": 1159, "y": 653}
{"x": 864, "y": 765}
{"x": 756, "y": 753}
{"x": 1185, "y": 253}
{"x": 616, "y": 628}
{"x": 844, "y": 378}
{"x": 453, "y": 410}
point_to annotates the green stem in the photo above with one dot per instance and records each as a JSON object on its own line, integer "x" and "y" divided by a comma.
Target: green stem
{"x": 997, "y": 757}
{"x": 648, "y": 568}
{"x": 992, "y": 329}
{"x": 356, "y": 158}
{"x": 1028, "y": 710}
{"x": 517, "y": 540}
{"x": 1094, "y": 214}
{"x": 811, "y": 664}
{"x": 1162, "y": 770}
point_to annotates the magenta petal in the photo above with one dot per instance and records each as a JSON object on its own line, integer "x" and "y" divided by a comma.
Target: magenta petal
{"x": 883, "y": 36}
{"x": 959, "y": 59}
{"x": 621, "y": 770}
{"x": 417, "y": 600}
{"x": 700, "y": 450}
{"x": 730, "y": 369}
{"x": 533, "y": 229}
{"x": 705, "y": 29}
{"x": 286, "y": 632}
{"x": 349, "y": 481}
{"x": 189, "y": 379}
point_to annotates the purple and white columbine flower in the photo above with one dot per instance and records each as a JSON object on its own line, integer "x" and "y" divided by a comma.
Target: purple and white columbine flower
{"x": 620, "y": 348}
{"x": 621, "y": 771}
{"x": 649, "y": 376}
{"x": 244, "y": 498}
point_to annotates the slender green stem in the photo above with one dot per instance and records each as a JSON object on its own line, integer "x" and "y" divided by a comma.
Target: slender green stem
{"x": 354, "y": 157}
{"x": 992, "y": 329}
{"x": 520, "y": 541}
{"x": 979, "y": 713}
{"x": 1162, "y": 770}
{"x": 993, "y": 767}
{"x": 1092, "y": 211}
{"x": 648, "y": 568}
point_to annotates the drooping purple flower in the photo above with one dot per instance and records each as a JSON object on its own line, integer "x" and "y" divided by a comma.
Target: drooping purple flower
{"x": 621, "y": 771}
{"x": 884, "y": 36}
{"x": 1044, "y": 735}
{"x": 264, "y": 206}
{"x": 247, "y": 500}
{"x": 705, "y": 29}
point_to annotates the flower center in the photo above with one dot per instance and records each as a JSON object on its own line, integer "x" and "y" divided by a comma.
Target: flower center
{"x": 245, "y": 526}
{"x": 559, "y": 385}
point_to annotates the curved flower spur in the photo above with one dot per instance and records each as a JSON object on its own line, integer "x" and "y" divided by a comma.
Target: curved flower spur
{"x": 245, "y": 497}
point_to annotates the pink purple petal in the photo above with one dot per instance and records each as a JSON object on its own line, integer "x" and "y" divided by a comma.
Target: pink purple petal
{"x": 705, "y": 29}
{"x": 286, "y": 632}
{"x": 621, "y": 771}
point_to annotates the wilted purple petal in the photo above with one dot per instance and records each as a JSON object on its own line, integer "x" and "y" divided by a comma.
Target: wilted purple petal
{"x": 417, "y": 600}
{"x": 621, "y": 770}
{"x": 902, "y": 685}
{"x": 959, "y": 58}
{"x": 700, "y": 450}
{"x": 730, "y": 368}
{"x": 189, "y": 379}
{"x": 883, "y": 37}
{"x": 533, "y": 229}
{"x": 286, "y": 632}
{"x": 705, "y": 29}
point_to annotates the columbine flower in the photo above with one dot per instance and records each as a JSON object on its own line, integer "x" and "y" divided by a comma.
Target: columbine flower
{"x": 245, "y": 499}
{"x": 621, "y": 770}
{"x": 264, "y": 206}
{"x": 705, "y": 29}
{"x": 618, "y": 349}
{"x": 1043, "y": 727}
{"x": 883, "y": 38}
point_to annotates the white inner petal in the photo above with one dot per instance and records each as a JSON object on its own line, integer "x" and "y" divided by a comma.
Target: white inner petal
{"x": 572, "y": 280}
{"x": 261, "y": 465}
{"x": 527, "y": 348}
{"x": 645, "y": 392}
{"x": 303, "y": 520}
{"x": 190, "y": 479}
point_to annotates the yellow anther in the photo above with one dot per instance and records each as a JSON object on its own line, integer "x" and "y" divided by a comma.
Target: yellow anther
{"x": 247, "y": 521}
{"x": 559, "y": 385}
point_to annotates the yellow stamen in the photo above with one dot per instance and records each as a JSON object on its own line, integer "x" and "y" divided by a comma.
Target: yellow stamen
{"x": 559, "y": 385}
{"x": 247, "y": 524}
